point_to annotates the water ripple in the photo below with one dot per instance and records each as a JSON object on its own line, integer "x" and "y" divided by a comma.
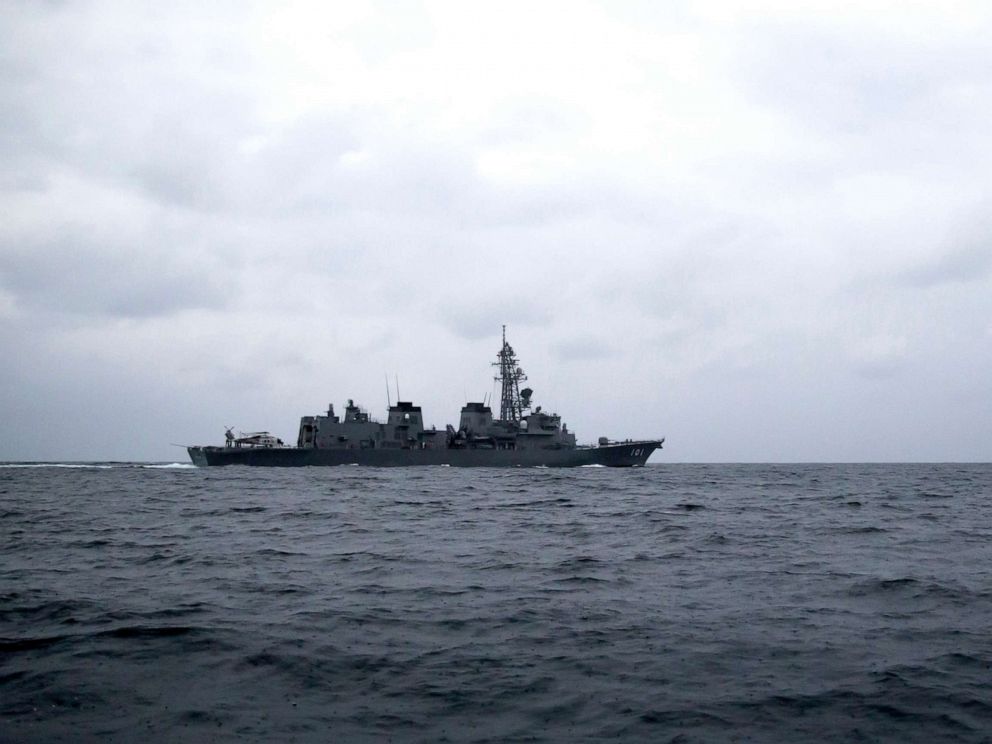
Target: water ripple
{"x": 674, "y": 603}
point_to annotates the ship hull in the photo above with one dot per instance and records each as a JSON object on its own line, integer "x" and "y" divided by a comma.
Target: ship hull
{"x": 624, "y": 454}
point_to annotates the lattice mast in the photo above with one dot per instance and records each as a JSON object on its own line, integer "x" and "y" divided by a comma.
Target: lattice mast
{"x": 512, "y": 404}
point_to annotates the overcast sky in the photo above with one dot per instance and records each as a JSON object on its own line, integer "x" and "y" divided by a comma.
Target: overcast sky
{"x": 761, "y": 229}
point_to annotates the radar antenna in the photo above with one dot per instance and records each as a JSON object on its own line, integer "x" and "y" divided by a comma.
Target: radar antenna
{"x": 512, "y": 404}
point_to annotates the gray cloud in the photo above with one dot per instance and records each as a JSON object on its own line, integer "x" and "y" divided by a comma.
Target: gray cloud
{"x": 582, "y": 348}
{"x": 473, "y": 317}
{"x": 855, "y": 80}
{"x": 755, "y": 233}
{"x": 72, "y": 278}
{"x": 966, "y": 258}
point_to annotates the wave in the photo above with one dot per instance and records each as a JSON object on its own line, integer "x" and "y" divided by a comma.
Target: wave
{"x": 681, "y": 601}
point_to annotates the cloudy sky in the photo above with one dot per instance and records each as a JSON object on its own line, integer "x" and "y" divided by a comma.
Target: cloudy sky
{"x": 761, "y": 229}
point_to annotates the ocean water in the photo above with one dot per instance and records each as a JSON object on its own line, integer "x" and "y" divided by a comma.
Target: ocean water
{"x": 688, "y": 603}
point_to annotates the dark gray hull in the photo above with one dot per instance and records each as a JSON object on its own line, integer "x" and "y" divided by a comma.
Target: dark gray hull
{"x": 625, "y": 454}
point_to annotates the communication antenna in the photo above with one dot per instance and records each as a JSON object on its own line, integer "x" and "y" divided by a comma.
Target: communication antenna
{"x": 511, "y": 404}
{"x": 397, "y": 387}
{"x": 388, "y": 401}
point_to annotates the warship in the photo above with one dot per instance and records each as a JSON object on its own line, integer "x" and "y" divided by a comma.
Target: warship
{"x": 522, "y": 436}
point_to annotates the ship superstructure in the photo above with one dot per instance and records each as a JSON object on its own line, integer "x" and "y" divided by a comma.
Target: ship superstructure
{"x": 522, "y": 435}
{"x": 513, "y": 401}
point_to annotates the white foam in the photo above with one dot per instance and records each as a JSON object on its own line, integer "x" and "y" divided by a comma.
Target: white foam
{"x": 98, "y": 466}
{"x": 74, "y": 465}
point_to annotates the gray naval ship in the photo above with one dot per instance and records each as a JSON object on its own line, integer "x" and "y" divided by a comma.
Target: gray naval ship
{"x": 522, "y": 436}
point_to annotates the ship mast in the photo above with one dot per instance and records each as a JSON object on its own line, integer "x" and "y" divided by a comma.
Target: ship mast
{"x": 511, "y": 404}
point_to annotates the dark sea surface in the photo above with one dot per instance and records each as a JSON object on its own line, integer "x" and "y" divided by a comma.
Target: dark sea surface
{"x": 680, "y": 603}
